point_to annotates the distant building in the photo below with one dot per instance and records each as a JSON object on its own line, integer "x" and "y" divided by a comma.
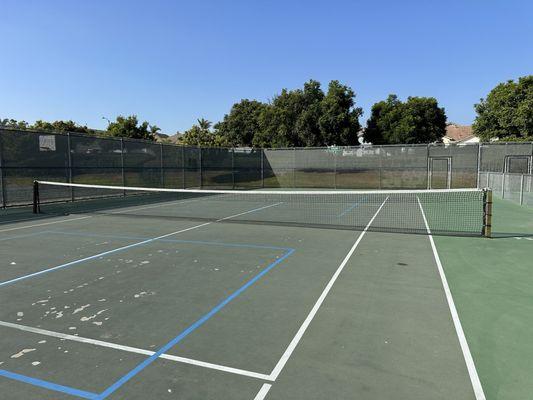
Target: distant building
{"x": 459, "y": 134}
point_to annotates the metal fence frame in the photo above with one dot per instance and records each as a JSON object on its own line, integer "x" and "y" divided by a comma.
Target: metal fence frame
{"x": 505, "y": 189}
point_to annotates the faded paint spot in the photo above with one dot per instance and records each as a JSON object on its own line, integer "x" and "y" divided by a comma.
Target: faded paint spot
{"x": 77, "y": 310}
{"x": 22, "y": 352}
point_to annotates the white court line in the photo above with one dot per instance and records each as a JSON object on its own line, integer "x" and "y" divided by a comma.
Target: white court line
{"x": 44, "y": 271}
{"x": 45, "y": 223}
{"x": 471, "y": 367}
{"x": 263, "y": 391}
{"x": 248, "y": 212}
{"x": 135, "y": 350}
{"x": 288, "y": 352}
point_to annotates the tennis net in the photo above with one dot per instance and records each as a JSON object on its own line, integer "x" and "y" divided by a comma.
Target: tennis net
{"x": 449, "y": 211}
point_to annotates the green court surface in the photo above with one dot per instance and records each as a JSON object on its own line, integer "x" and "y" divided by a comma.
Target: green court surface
{"x": 104, "y": 306}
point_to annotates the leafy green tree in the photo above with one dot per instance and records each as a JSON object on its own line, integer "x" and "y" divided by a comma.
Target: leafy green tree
{"x": 130, "y": 127}
{"x": 418, "y": 120}
{"x": 242, "y": 123}
{"x": 307, "y": 125}
{"x": 339, "y": 122}
{"x": 278, "y": 121}
{"x": 507, "y": 112}
{"x": 309, "y": 117}
{"x": 60, "y": 126}
{"x": 13, "y": 123}
{"x": 201, "y": 134}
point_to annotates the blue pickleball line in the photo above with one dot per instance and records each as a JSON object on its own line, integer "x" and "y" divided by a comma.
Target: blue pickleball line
{"x": 49, "y": 385}
{"x": 190, "y": 329}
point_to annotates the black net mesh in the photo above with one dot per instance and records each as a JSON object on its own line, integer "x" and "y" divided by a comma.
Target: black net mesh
{"x": 446, "y": 212}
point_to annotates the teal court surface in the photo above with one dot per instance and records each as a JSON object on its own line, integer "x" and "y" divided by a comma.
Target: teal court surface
{"x": 107, "y": 306}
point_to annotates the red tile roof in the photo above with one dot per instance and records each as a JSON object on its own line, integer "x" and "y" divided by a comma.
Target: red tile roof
{"x": 459, "y": 133}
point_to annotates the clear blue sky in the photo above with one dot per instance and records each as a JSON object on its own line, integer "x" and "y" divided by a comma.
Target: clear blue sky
{"x": 171, "y": 62}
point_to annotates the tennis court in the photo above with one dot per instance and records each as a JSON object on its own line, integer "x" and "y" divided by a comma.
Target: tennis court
{"x": 266, "y": 296}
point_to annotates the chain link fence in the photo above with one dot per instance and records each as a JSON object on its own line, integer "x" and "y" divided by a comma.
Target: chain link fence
{"x": 28, "y": 155}
{"x": 510, "y": 186}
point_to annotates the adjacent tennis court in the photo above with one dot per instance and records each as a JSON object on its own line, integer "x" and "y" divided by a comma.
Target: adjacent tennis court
{"x": 132, "y": 294}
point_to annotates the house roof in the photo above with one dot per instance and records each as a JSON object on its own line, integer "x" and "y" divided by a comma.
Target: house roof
{"x": 458, "y": 133}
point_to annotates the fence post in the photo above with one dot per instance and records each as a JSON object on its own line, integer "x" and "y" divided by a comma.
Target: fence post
{"x": 428, "y": 168}
{"x": 161, "y": 164}
{"x": 381, "y": 153}
{"x": 122, "y": 172}
{"x": 503, "y": 185}
{"x": 294, "y": 168}
{"x": 478, "y": 164}
{"x": 262, "y": 167}
{"x": 201, "y": 170}
{"x": 2, "y": 186}
{"x": 233, "y": 168}
{"x": 69, "y": 168}
{"x": 335, "y": 169}
{"x": 522, "y": 189}
{"x": 183, "y": 166}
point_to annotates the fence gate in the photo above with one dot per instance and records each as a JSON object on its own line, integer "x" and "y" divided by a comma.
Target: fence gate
{"x": 440, "y": 172}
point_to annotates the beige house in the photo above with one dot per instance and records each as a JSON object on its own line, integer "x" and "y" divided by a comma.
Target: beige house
{"x": 459, "y": 134}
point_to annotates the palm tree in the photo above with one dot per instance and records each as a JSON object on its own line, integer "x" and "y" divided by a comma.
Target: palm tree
{"x": 204, "y": 124}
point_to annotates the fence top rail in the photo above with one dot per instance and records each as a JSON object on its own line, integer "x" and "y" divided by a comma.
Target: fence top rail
{"x": 501, "y": 143}
{"x": 100, "y": 135}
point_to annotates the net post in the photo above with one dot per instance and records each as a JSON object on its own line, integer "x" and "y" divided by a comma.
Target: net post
{"x": 487, "y": 212}
{"x": 36, "y": 208}
{"x": 2, "y": 183}
{"x": 69, "y": 167}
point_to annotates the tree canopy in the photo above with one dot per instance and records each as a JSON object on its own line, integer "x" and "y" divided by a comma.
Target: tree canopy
{"x": 295, "y": 118}
{"x": 418, "y": 120}
{"x": 40, "y": 125}
{"x": 241, "y": 124}
{"x": 13, "y": 123}
{"x": 507, "y": 112}
{"x": 121, "y": 127}
{"x": 130, "y": 127}
{"x": 201, "y": 134}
